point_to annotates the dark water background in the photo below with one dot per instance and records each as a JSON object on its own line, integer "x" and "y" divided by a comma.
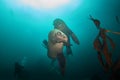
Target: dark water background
{"x": 22, "y": 30}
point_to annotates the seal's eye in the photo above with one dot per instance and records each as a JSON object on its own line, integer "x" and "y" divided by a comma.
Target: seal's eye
{"x": 59, "y": 34}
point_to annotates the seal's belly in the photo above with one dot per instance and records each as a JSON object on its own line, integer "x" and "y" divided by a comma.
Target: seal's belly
{"x": 54, "y": 49}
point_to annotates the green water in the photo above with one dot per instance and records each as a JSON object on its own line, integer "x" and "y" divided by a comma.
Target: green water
{"x": 23, "y": 28}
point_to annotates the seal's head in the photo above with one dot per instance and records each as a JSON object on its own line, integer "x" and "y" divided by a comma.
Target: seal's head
{"x": 59, "y": 23}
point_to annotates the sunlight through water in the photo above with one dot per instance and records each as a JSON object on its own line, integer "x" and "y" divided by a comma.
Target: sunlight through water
{"x": 44, "y": 4}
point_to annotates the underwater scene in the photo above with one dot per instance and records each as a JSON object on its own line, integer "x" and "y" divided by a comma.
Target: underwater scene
{"x": 59, "y": 39}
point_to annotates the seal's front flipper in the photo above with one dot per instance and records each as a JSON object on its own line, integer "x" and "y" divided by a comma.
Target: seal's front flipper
{"x": 45, "y": 42}
{"x": 75, "y": 39}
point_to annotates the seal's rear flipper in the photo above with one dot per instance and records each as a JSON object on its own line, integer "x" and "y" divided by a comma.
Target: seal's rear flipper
{"x": 62, "y": 63}
{"x": 69, "y": 50}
